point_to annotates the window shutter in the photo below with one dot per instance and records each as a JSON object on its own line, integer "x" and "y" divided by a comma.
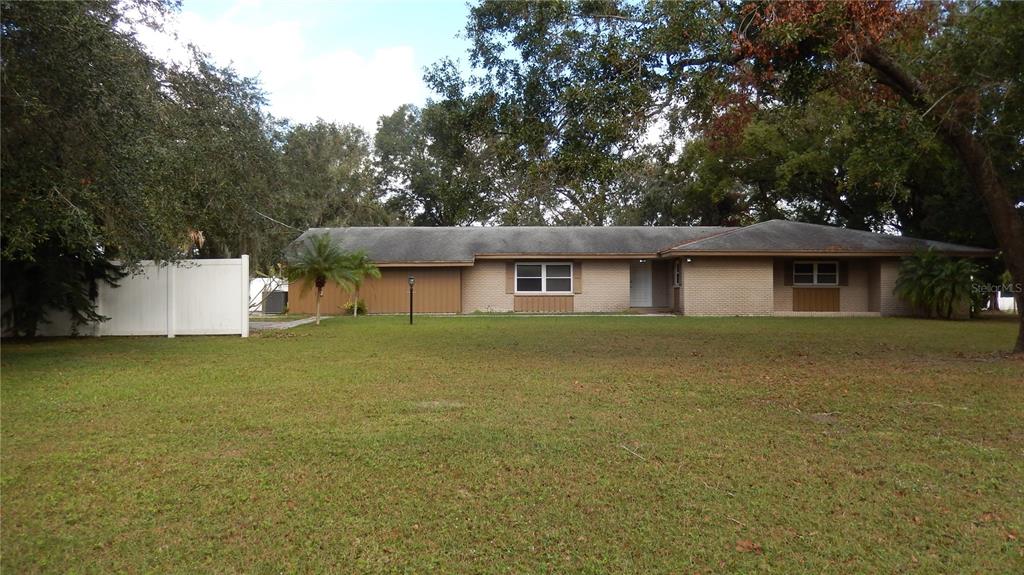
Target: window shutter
{"x": 510, "y": 277}
{"x": 577, "y": 277}
{"x": 787, "y": 272}
{"x": 844, "y": 273}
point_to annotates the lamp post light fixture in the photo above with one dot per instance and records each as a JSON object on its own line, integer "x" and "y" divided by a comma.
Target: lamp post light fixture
{"x": 412, "y": 281}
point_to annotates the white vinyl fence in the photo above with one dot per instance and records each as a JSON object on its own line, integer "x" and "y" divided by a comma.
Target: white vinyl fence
{"x": 195, "y": 297}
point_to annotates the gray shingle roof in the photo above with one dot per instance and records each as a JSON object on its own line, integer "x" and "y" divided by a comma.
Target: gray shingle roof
{"x": 462, "y": 244}
{"x": 455, "y": 245}
{"x": 781, "y": 236}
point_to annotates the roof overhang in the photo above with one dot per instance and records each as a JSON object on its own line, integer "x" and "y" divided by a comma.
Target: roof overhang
{"x": 565, "y": 256}
{"x": 820, "y": 254}
{"x": 421, "y": 264}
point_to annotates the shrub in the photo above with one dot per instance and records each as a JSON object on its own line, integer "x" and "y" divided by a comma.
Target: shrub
{"x": 935, "y": 285}
{"x": 359, "y": 305}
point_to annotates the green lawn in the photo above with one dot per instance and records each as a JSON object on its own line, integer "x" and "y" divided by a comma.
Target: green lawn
{"x": 512, "y": 444}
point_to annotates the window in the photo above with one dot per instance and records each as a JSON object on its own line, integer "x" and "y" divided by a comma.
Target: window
{"x": 816, "y": 273}
{"x": 677, "y": 273}
{"x": 543, "y": 278}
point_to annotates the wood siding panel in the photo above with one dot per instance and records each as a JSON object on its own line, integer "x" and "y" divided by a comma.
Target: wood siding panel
{"x": 815, "y": 299}
{"x": 438, "y": 290}
{"x": 544, "y": 303}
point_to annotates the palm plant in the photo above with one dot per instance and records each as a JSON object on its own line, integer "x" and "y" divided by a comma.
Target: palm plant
{"x": 954, "y": 285}
{"x": 933, "y": 284}
{"x": 319, "y": 260}
{"x": 916, "y": 280}
{"x": 363, "y": 267}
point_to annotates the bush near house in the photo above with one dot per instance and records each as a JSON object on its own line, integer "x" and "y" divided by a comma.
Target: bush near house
{"x": 358, "y": 305}
{"x": 936, "y": 285}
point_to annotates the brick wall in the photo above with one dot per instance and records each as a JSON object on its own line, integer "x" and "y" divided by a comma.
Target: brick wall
{"x": 483, "y": 288}
{"x": 605, "y": 287}
{"x": 889, "y": 303}
{"x": 728, "y": 286}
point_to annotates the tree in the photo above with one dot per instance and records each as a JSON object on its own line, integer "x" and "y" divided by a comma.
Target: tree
{"x": 327, "y": 177}
{"x": 429, "y": 163}
{"x": 224, "y": 161}
{"x": 110, "y": 157}
{"x": 969, "y": 90}
{"x": 83, "y": 114}
{"x": 362, "y": 268}
{"x": 612, "y": 70}
{"x": 319, "y": 260}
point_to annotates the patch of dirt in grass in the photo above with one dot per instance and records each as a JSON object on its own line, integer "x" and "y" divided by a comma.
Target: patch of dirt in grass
{"x": 825, "y": 418}
{"x": 748, "y": 546}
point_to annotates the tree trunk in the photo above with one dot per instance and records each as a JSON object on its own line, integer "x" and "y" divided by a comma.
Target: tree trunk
{"x": 1007, "y": 225}
{"x": 355, "y": 304}
{"x": 319, "y": 294}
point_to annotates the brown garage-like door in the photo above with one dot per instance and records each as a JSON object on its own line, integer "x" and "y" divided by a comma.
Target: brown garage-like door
{"x": 815, "y": 299}
{"x": 438, "y": 290}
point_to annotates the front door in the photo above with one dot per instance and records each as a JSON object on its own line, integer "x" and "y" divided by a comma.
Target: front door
{"x": 640, "y": 285}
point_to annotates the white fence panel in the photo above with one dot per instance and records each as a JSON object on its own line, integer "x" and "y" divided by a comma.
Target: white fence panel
{"x": 136, "y": 306}
{"x": 197, "y": 297}
{"x": 211, "y": 298}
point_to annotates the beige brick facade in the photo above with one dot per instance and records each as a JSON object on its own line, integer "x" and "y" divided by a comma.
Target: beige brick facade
{"x": 710, "y": 286}
{"x": 605, "y": 287}
{"x": 728, "y": 286}
{"x": 890, "y": 304}
{"x": 483, "y": 288}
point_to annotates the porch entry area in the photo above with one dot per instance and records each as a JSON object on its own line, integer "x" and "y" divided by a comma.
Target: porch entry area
{"x": 650, "y": 285}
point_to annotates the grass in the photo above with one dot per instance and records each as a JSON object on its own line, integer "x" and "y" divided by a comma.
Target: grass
{"x": 509, "y": 444}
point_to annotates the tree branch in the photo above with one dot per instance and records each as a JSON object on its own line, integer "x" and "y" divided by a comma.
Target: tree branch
{"x": 892, "y": 75}
{"x": 730, "y": 60}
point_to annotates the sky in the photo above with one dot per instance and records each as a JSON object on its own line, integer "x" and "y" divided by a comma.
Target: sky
{"x": 345, "y": 61}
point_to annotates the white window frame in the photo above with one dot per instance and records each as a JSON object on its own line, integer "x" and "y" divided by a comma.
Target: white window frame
{"x": 544, "y": 278}
{"x": 677, "y": 272}
{"x": 814, "y": 274}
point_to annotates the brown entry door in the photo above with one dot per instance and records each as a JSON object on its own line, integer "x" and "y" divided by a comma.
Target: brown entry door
{"x": 815, "y": 299}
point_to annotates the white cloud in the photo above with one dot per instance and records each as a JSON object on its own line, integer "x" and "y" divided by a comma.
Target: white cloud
{"x": 339, "y": 85}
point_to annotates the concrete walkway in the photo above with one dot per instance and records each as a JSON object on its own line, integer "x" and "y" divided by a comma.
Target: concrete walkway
{"x": 265, "y": 325}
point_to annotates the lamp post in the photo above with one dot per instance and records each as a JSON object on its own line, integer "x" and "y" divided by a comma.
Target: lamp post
{"x": 412, "y": 280}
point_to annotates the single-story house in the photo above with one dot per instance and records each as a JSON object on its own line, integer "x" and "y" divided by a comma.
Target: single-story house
{"x": 771, "y": 268}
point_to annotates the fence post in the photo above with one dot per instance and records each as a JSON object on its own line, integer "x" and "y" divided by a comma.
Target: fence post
{"x": 245, "y": 295}
{"x": 170, "y": 299}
